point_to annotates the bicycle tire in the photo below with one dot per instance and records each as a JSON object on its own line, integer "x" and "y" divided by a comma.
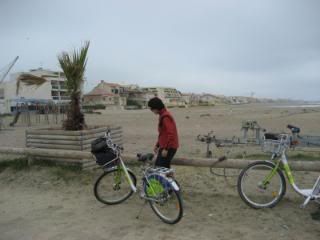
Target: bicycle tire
{"x": 259, "y": 190}
{"x": 171, "y": 194}
{"x": 99, "y": 191}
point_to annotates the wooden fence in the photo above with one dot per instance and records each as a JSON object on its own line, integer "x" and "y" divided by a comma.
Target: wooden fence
{"x": 69, "y": 140}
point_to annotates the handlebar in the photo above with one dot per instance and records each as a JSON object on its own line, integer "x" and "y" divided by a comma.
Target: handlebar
{"x": 207, "y": 138}
{"x": 110, "y": 144}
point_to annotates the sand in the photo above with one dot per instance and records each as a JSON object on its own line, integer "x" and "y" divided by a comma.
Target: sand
{"x": 40, "y": 204}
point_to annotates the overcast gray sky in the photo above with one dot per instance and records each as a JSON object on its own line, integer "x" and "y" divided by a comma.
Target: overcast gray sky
{"x": 230, "y": 47}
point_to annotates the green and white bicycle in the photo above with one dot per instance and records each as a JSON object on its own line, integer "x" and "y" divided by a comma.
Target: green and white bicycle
{"x": 117, "y": 183}
{"x": 262, "y": 183}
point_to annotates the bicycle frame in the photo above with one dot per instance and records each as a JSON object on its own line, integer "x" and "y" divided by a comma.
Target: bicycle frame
{"x": 286, "y": 168}
{"x": 307, "y": 193}
{"x": 145, "y": 176}
{"x": 124, "y": 168}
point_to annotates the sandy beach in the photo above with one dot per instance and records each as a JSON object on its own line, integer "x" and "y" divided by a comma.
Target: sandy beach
{"x": 41, "y": 203}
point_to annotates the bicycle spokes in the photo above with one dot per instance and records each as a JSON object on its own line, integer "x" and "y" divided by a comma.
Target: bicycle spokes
{"x": 261, "y": 185}
{"x": 154, "y": 188}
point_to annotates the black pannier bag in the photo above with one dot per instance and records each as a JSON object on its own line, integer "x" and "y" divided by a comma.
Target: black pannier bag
{"x": 102, "y": 152}
{"x": 98, "y": 145}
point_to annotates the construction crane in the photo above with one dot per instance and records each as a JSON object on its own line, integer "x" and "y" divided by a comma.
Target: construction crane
{"x": 7, "y": 69}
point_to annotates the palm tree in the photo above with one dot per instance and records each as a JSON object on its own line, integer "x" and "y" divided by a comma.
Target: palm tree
{"x": 74, "y": 66}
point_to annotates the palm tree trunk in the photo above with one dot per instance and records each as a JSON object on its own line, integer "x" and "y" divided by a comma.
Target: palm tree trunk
{"x": 75, "y": 118}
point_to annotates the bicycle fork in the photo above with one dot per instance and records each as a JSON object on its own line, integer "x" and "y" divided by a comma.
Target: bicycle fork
{"x": 263, "y": 185}
{"x": 133, "y": 187}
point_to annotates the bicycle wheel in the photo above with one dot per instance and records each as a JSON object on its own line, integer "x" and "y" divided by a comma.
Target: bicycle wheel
{"x": 165, "y": 201}
{"x": 258, "y": 187}
{"x": 112, "y": 187}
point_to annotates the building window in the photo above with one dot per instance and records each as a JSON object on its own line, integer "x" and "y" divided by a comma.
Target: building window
{"x": 115, "y": 91}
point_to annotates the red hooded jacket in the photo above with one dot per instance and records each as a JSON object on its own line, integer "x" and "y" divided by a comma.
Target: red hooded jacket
{"x": 168, "y": 134}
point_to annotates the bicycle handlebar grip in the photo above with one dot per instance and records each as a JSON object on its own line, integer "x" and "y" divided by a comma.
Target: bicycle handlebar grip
{"x": 145, "y": 157}
{"x": 200, "y": 138}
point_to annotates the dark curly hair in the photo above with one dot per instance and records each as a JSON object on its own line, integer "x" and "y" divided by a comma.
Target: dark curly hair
{"x": 156, "y": 103}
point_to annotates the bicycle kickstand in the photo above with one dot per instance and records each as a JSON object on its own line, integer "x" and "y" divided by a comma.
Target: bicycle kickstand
{"x": 140, "y": 211}
{"x": 304, "y": 204}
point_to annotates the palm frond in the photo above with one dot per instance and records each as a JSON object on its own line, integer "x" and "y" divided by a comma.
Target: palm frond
{"x": 29, "y": 80}
{"x": 74, "y": 66}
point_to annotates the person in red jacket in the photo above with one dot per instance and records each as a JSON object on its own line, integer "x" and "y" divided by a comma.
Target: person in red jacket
{"x": 168, "y": 142}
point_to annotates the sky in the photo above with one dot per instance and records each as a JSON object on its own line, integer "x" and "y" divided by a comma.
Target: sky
{"x": 268, "y": 48}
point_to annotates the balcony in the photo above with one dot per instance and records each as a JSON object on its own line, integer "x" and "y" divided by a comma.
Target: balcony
{"x": 65, "y": 98}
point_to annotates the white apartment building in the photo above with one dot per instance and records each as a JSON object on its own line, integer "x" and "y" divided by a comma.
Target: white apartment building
{"x": 169, "y": 96}
{"x": 52, "y": 90}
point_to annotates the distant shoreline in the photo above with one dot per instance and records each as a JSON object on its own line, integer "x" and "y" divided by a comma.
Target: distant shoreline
{"x": 299, "y": 106}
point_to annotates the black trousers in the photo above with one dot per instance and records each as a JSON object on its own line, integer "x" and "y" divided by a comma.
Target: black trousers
{"x": 165, "y": 161}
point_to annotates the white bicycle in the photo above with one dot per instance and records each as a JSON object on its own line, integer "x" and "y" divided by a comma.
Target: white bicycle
{"x": 262, "y": 184}
{"x": 117, "y": 183}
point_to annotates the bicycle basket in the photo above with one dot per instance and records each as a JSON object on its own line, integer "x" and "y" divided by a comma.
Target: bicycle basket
{"x": 271, "y": 146}
{"x": 104, "y": 157}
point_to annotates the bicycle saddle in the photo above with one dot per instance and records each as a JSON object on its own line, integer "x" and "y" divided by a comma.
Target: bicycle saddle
{"x": 143, "y": 157}
{"x": 271, "y": 136}
{"x": 293, "y": 129}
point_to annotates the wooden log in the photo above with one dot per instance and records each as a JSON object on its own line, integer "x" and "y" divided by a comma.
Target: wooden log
{"x": 101, "y": 129}
{"x": 119, "y": 131}
{"x": 95, "y": 136}
{"x": 59, "y": 160}
{"x": 54, "y": 137}
{"x": 89, "y": 164}
{"x": 303, "y": 165}
{"x": 54, "y": 142}
{"x": 55, "y": 146}
{"x": 47, "y": 152}
{"x": 91, "y": 160}
{"x": 70, "y": 138}
{"x": 88, "y": 145}
{"x": 70, "y": 133}
{"x": 114, "y": 140}
{"x": 240, "y": 163}
{"x": 196, "y": 162}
